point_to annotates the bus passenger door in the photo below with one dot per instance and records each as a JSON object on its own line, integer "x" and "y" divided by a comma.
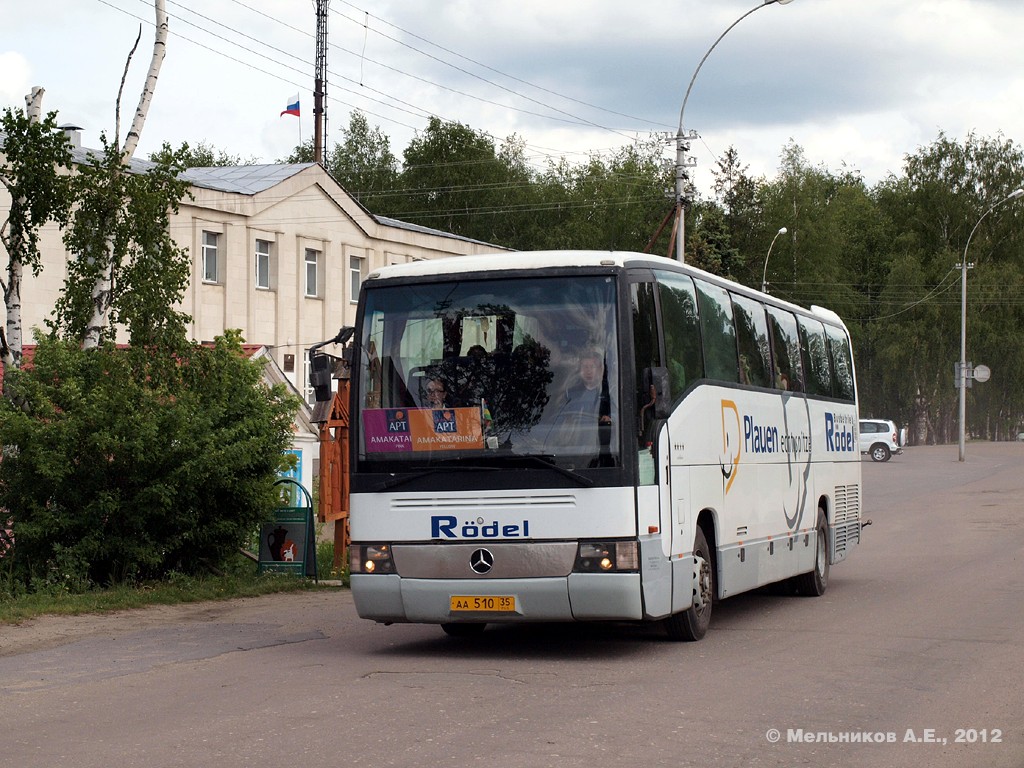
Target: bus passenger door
{"x": 656, "y": 527}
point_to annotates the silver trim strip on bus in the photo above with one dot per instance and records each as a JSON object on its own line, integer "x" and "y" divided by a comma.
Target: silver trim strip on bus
{"x": 508, "y": 560}
{"x": 518, "y": 500}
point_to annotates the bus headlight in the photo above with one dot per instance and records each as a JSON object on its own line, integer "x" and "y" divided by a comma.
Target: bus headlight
{"x": 370, "y": 558}
{"x": 606, "y": 557}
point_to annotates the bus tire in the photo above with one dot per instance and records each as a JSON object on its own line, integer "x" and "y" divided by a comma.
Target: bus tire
{"x": 463, "y": 630}
{"x": 815, "y": 583}
{"x": 692, "y": 624}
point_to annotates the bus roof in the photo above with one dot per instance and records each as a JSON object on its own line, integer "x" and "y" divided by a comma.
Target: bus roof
{"x": 531, "y": 260}
{"x": 500, "y": 261}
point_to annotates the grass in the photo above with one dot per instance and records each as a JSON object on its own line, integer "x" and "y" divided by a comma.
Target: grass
{"x": 241, "y": 580}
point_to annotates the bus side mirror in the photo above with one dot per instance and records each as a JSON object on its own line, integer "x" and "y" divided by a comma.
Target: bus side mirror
{"x": 656, "y": 379}
{"x": 320, "y": 378}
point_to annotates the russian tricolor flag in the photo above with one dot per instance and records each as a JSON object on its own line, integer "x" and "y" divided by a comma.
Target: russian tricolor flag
{"x": 293, "y": 106}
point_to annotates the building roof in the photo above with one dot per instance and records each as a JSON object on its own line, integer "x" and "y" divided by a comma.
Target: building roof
{"x": 397, "y": 224}
{"x": 253, "y": 179}
{"x": 243, "y": 179}
{"x": 238, "y": 179}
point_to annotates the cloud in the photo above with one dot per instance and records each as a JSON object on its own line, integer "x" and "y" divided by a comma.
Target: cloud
{"x": 15, "y": 74}
{"x": 857, "y": 83}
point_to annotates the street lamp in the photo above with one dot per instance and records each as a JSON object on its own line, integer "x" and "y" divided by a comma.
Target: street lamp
{"x": 682, "y": 145}
{"x": 764, "y": 285}
{"x": 964, "y": 266}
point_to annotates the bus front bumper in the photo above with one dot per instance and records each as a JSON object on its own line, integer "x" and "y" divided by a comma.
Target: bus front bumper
{"x": 577, "y": 597}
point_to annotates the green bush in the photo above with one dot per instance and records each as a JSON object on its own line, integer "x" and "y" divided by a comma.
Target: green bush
{"x": 124, "y": 464}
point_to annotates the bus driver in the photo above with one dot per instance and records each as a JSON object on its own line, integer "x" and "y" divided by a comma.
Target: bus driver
{"x": 589, "y": 396}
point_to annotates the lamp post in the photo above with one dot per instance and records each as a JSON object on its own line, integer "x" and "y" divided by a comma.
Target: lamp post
{"x": 764, "y": 284}
{"x": 682, "y": 143}
{"x": 964, "y": 266}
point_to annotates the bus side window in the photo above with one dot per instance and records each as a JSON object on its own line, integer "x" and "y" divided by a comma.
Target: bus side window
{"x": 683, "y": 348}
{"x": 721, "y": 360}
{"x": 842, "y": 364}
{"x": 815, "y": 353}
{"x": 752, "y": 337}
{"x": 646, "y": 353}
{"x": 786, "y": 348}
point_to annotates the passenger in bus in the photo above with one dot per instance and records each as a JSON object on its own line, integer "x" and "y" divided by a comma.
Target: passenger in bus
{"x": 745, "y": 373}
{"x": 437, "y": 393}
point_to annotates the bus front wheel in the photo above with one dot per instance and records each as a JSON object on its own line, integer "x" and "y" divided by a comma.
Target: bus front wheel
{"x": 693, "y": 623}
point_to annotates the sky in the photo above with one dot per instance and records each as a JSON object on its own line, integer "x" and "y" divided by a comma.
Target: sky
{"x": 857, "y": 84}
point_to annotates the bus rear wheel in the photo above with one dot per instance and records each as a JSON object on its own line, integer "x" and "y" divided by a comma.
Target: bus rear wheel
{"x": 692, "y": 624}
{"x": 815, "y": 583}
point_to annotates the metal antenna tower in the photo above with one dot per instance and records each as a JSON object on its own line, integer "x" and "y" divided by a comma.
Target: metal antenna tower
{"x": 320, "y": 84}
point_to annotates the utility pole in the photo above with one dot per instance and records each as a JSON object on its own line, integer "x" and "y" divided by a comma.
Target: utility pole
{"x": 320, "y": 82}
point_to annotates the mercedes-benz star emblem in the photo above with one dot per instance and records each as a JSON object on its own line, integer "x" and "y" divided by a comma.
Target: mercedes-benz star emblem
{"x": 481, "y": 561}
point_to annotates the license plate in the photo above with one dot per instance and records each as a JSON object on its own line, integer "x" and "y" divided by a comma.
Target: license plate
{"x": 484, "y": 603}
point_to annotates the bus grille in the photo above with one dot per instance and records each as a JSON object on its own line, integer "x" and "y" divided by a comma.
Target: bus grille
{"x": 845, "y": 520}
{"x": 559, "y": 501}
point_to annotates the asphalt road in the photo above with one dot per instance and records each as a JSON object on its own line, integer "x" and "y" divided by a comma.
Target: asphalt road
{"x": 914, "y": 657}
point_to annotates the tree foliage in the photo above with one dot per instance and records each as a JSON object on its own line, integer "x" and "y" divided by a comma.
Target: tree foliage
{"x": 131, "y": 462}
{"x": 202, "y": 155}
{"x": 33, "y": 169}
{"x": 454, "y": 179}
{"x": 121, "y": 226}
{"x": 949, "y": 190}
{"x": 613, "y": 203}
{"x": 362, "y": 163}
{"x": 884, "y": 257}
{"x": 118, "y": 470}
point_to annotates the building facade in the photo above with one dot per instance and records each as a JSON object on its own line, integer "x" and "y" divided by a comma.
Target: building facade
{"x": 278, "y": 252}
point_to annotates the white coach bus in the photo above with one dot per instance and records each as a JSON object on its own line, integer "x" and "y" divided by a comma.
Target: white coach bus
{"x": 592, "y": 436}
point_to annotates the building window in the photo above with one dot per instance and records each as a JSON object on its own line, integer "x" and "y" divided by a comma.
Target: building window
{"x": 211, "y": 241}
{"x": 263, "y": 264}
{"x": 355, "y": 267}
{"x": 312, "y": 272}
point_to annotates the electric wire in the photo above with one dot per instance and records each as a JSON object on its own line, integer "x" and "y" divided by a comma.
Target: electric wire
{"x": 384, "y": 99}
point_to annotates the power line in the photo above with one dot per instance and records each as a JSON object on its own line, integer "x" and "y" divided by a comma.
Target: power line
{"x": 576, "y": 119}
{"x": 485, "y": 66}
{"x": 385, "y": 99}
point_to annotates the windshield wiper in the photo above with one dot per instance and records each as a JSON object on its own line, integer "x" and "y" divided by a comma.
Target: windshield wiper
{"x": 397, "y": 480}
{"x": 550, "y": 462}
{"x": 546, "y": 461}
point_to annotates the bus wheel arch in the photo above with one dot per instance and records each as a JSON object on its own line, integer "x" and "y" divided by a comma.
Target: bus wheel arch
{"x": 692, "y": 624}
{"x": 815, "y": 582}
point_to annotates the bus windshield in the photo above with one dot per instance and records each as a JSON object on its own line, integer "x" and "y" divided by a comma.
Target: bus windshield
{"x": 489, "y": 368}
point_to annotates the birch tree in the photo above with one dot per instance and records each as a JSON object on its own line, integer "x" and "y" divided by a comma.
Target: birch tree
{"x": 102, "y": 292}
{"x": 123, "y": 219}
{"x": 33, "y": 169}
